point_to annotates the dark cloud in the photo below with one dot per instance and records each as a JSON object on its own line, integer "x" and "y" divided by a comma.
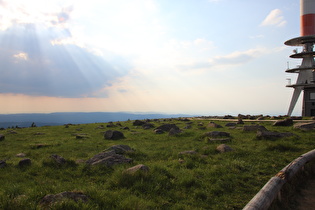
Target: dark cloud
{"x": 31, "y": 65}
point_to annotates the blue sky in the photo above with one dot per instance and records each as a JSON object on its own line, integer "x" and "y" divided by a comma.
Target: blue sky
{"x": 209, "y": 57}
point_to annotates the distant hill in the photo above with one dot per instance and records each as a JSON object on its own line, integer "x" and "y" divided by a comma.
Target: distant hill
{"x": 60, "y": 118}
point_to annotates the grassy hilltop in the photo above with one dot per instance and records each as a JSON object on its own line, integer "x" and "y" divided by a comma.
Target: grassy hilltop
{"x": 206, "y": 179}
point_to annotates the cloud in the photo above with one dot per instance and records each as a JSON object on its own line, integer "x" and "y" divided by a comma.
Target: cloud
{"x": 232, "y": 59}
{"x": 274, "y": 18}
{"x": 238, "y": 57}
{"x": 51, "y": 70}
{"x": 21, "y": 56}
{"x": 32, "y": 12}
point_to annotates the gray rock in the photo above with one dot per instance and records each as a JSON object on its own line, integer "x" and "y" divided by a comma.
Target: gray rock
{"x": 109, "y": 158}
{"x": 75, "y": 196}
{"x": 58, "y": 159}
{"x": 25, "y": 162}
{"x": 158, "y": 131}
{"x": 286, "y": 122}
{"x": 120, "y": 149}
{"x": 135, "y": 169}
{"x": 110, "y": 125}
{"x": 240, "y": 122}
{"x": 147, "y": 126}
{"x": 214, "y": 125}
{"x": 189, "y": 152}
{"x": 3, "y": 164}
{"x": 113, "y": 135}
{"x": 138, "y": 123}
{"x": 20, "y": 155}
{"x": 230, "y": 124}
{"x": 215, "y": 134}
{"x": 174, "y": 132}
{"x": 167, "y": 127}
{"x": 272, "y": 135}
{"x": 2, "y": 137}
{"x": 254, "y": 128}
{"x": 224, "y": 148}
{"x": 188, "y": 127}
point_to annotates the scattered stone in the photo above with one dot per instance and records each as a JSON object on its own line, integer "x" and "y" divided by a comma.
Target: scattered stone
{"x": 125, "y": 128}
{"x": 228, "y": 117}
{"x": 2, "y": 137}
{"x": 38, "y": 146}
{"x": 80, "y": 135}
{"x": 261, "y": 118}
{"x": 147, "y": 126}
{"x": 138, "y": 123}
{"x": 216, "y": 134}
{"x": 120, "y": 149}
{"x": 158, "y": 131}
{"x": 12, "y": 132}
{"x": 224, "y": 148}
{"x": 20, "y": 155}
{"x": 58, "y": 159}
{"x": 75, "y": 196}
{"x": 214, "y": 125}
{"x": 134, "y": 169}
{"x": 100, "y": 127}
{"x": 254, "y": 128}
{"x": 167, "y": 127}
{"x": 269, "y": 135}
{"x": 174, "y": 132}
{"x": 286, "y": 122}
{"x": 304, "y": 126}
{"x": 200, "y": 124}
{"x": 25, "y": 162}
{"x": 189, "y": 152}
{"x": 39, "y": 134}
{"x": 240, "y": 122}
{"x": 109, "y": 158}
{"x": 118, "y": 124}
{"x": 230, "y": 124}
{"x": 110, "y": 125}
{"x": 3, "y": 164}
{"x": 113, "y": 135}
{"x": 188, "y": 127}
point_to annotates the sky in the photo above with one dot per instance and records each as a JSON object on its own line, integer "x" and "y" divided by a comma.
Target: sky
{"x": 200, "y": 57}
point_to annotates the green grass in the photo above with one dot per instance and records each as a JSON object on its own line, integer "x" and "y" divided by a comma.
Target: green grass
{"x": 206, "y": 180}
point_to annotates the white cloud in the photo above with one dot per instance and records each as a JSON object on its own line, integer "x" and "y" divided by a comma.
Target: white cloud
{"x": 33, "y": 12}
{"x": 21, "y": 56}
{"x": 238, "y": 57}
{"x": 274, "y": 18}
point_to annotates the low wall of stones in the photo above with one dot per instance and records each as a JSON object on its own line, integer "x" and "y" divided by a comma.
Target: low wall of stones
{"x": 280, "y": 190}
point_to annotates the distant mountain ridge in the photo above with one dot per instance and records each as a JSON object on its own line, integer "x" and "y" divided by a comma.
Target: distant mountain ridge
{"x": 60, "y": 118}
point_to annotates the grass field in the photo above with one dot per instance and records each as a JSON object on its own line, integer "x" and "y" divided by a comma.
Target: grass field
{"x": 205, "y": 180}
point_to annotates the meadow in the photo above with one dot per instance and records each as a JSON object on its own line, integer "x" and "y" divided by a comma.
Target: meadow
{"x": 204, "y": 179}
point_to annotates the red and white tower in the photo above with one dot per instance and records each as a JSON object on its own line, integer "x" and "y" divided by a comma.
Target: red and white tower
{"x": 306, "y": 71}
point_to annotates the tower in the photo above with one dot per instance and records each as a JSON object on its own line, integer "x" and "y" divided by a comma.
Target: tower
{"x": 306, "y": 71}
